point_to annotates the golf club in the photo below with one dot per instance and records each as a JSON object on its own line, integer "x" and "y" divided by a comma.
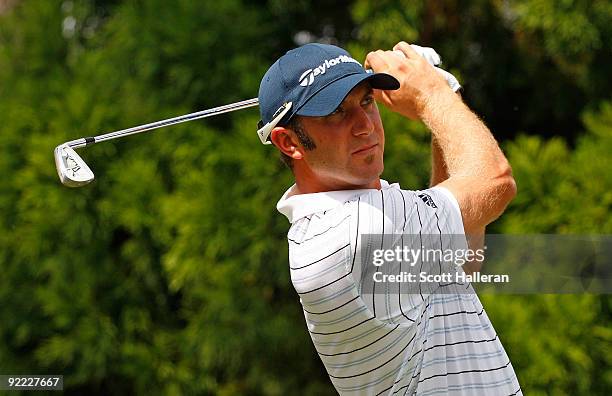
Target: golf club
{"x": 74, "y": 172}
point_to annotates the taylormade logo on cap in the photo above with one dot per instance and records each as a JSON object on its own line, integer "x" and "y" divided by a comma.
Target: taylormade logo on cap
{"x": 314, "y": 78}
{"x": 308, "y": 77}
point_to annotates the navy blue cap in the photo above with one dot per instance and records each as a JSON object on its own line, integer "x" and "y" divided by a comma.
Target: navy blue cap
{"x": 315, "y": 78}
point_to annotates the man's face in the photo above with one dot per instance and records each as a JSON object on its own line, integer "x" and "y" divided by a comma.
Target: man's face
{"x": 349, "y": 144}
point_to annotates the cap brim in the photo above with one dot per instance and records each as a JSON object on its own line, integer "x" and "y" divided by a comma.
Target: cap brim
{"x": 327, "y": 100}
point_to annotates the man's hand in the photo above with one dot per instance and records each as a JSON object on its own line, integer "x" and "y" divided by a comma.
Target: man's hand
{"x": 419, "y": 80}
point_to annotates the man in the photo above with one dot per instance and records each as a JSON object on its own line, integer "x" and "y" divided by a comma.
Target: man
{"x": 319, "y": 109}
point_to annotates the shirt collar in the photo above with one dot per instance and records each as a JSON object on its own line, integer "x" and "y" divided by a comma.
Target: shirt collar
{"x": 296, "y": 206}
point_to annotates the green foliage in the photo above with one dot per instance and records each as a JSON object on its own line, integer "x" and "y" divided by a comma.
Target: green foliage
{"x": 168, "y": 275}
{"x": 564, "y": 190}
{"x": 559, "y": 344}
{"x": 518, "y": 61}
{"x": 399, "y": 20}
{"x": 574, "y": 34}
{"x": 149, "y": 279}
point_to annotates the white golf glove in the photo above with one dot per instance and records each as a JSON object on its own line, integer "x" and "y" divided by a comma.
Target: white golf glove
{"x": 434, "y": 59}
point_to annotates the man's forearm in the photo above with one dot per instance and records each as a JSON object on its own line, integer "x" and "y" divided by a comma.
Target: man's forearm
{"x": 477, "y": 170}
{"x": 439, "y": 172}
{"x": 463, "y": 142}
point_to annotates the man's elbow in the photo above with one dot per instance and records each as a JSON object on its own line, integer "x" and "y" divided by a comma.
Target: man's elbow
{"x": 507, "y": 185}
{"x": 504, "y": 190}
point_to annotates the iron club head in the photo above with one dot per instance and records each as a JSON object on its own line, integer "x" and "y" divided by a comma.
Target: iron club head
{"x": 74, "y": 172}
{"x": 71, "y": 169}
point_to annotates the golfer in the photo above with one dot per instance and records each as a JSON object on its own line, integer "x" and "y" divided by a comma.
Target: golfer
{"x": 319, "y": 108}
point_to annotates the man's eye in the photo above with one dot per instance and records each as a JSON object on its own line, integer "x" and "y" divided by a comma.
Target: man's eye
{"x": 368, "y": 100}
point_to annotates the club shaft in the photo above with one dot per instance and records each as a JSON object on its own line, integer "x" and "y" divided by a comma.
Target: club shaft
{"x": 87, "y": 141}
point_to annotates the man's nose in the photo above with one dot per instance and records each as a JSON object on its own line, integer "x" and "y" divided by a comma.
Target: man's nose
{"x": 362, "y": 124}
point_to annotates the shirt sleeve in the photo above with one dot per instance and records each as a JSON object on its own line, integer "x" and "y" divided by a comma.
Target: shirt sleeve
{"x": 451, "y": 208}
{"x": 396, "y": 211}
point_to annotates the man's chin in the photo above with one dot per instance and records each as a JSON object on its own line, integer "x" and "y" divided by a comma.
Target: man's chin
{"x": 368, "y": 179}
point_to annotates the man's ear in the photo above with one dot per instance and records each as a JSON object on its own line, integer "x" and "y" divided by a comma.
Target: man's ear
{"x": 286, "y": 141}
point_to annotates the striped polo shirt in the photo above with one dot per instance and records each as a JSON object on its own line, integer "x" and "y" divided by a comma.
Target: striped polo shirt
{"x": 383, "y": 341}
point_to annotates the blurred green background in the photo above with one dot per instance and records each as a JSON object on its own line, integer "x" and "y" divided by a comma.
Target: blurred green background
{"x": 169, "y": 274}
